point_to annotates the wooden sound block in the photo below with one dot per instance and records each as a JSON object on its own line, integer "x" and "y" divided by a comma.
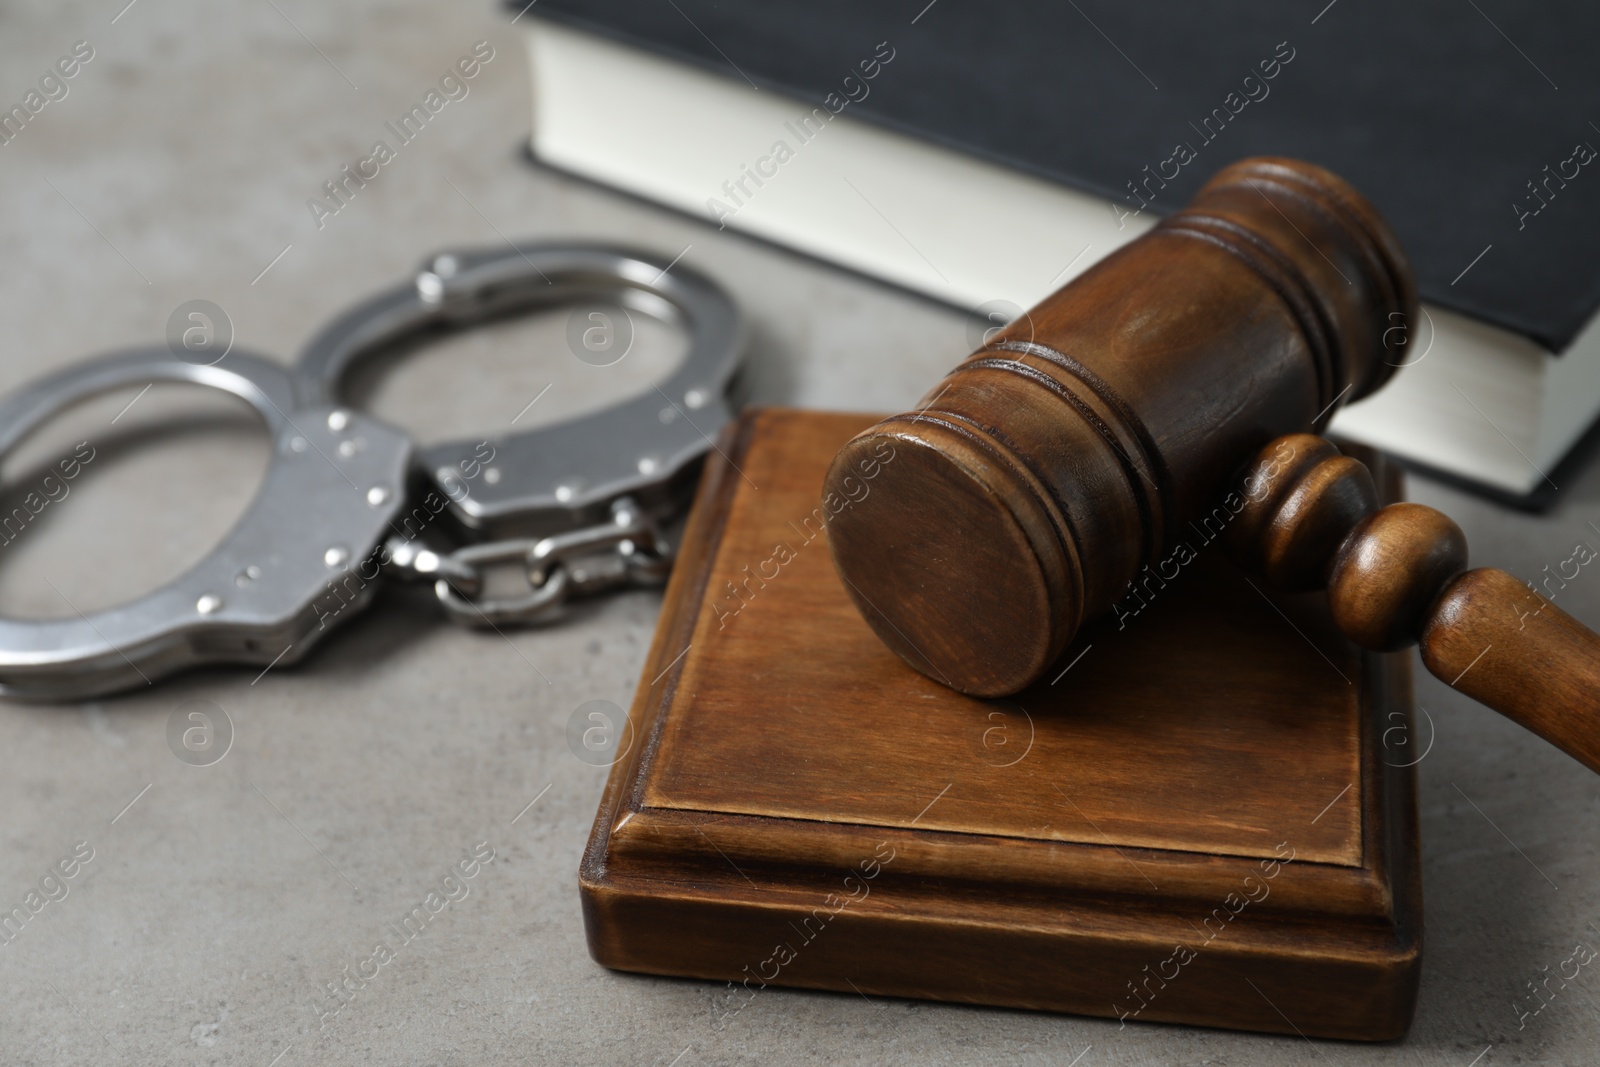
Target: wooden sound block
{"x": 1203, "y": 813}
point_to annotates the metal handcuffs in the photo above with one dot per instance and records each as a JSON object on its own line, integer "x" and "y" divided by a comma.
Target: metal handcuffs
{"x": 348, "y": 500}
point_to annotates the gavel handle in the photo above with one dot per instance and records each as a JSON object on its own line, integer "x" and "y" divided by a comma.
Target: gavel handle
{"x": 1397, "y": 576}
{"x": 1491, "y": 637}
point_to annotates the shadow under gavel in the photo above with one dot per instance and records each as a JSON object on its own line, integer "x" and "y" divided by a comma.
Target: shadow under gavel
{"x": 1041, "y": 476}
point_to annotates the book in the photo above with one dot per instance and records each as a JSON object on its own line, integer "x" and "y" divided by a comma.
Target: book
{"x": 985, "y": 156}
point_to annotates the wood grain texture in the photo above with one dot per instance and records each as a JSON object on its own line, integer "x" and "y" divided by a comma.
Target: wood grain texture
{"x": 1388, "y": 572}
{"x": 1079, "y": 444}
{"x": 1394, "y": 576}
{"x": 1301, "y": 499}
{"x": 1498, "y": 641}
{"x": 1047, "y": 850}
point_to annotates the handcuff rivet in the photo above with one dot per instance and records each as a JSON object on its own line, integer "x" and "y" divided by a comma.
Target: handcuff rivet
{"x": 350, "y": 446}
{"x": 337, "y": 556}
{"x": 610, "y": 453}
{"x": 257, "y": 590}
{"x": 338, "y": 420}
{"x": 378, "y": 495}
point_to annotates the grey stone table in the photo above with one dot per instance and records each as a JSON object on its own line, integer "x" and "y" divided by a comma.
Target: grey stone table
{"x": 220, "y": 902}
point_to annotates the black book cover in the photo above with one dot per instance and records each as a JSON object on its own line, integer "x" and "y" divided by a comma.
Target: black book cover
{"x": 1472, "y": 124}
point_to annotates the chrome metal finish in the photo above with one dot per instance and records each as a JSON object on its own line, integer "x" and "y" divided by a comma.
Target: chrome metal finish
{"x": 566, "y": 475}
{"x": 628, "y": 550}
{"x": 263, "y": 594}
{"x": 343, "y": 506}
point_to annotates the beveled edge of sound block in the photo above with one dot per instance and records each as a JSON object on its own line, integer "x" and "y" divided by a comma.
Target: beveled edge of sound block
{"x": 1337, "y": 949}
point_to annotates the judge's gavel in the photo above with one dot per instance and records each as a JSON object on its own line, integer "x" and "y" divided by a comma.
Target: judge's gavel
{"x": 1040, "y": 477}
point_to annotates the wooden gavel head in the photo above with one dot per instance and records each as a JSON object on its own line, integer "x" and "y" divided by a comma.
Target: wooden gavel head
{"x": 1161, "y": 396}
{"x": 1038, "y": 477}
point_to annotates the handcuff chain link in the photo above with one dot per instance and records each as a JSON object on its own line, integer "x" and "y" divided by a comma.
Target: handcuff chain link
{"x": 340, "y": 482}
{"x": 604, "y": 480}
{"x": 629, "y": 550}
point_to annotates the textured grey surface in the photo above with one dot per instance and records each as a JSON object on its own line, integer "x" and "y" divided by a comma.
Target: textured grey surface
{"x": 218, "y": 906}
